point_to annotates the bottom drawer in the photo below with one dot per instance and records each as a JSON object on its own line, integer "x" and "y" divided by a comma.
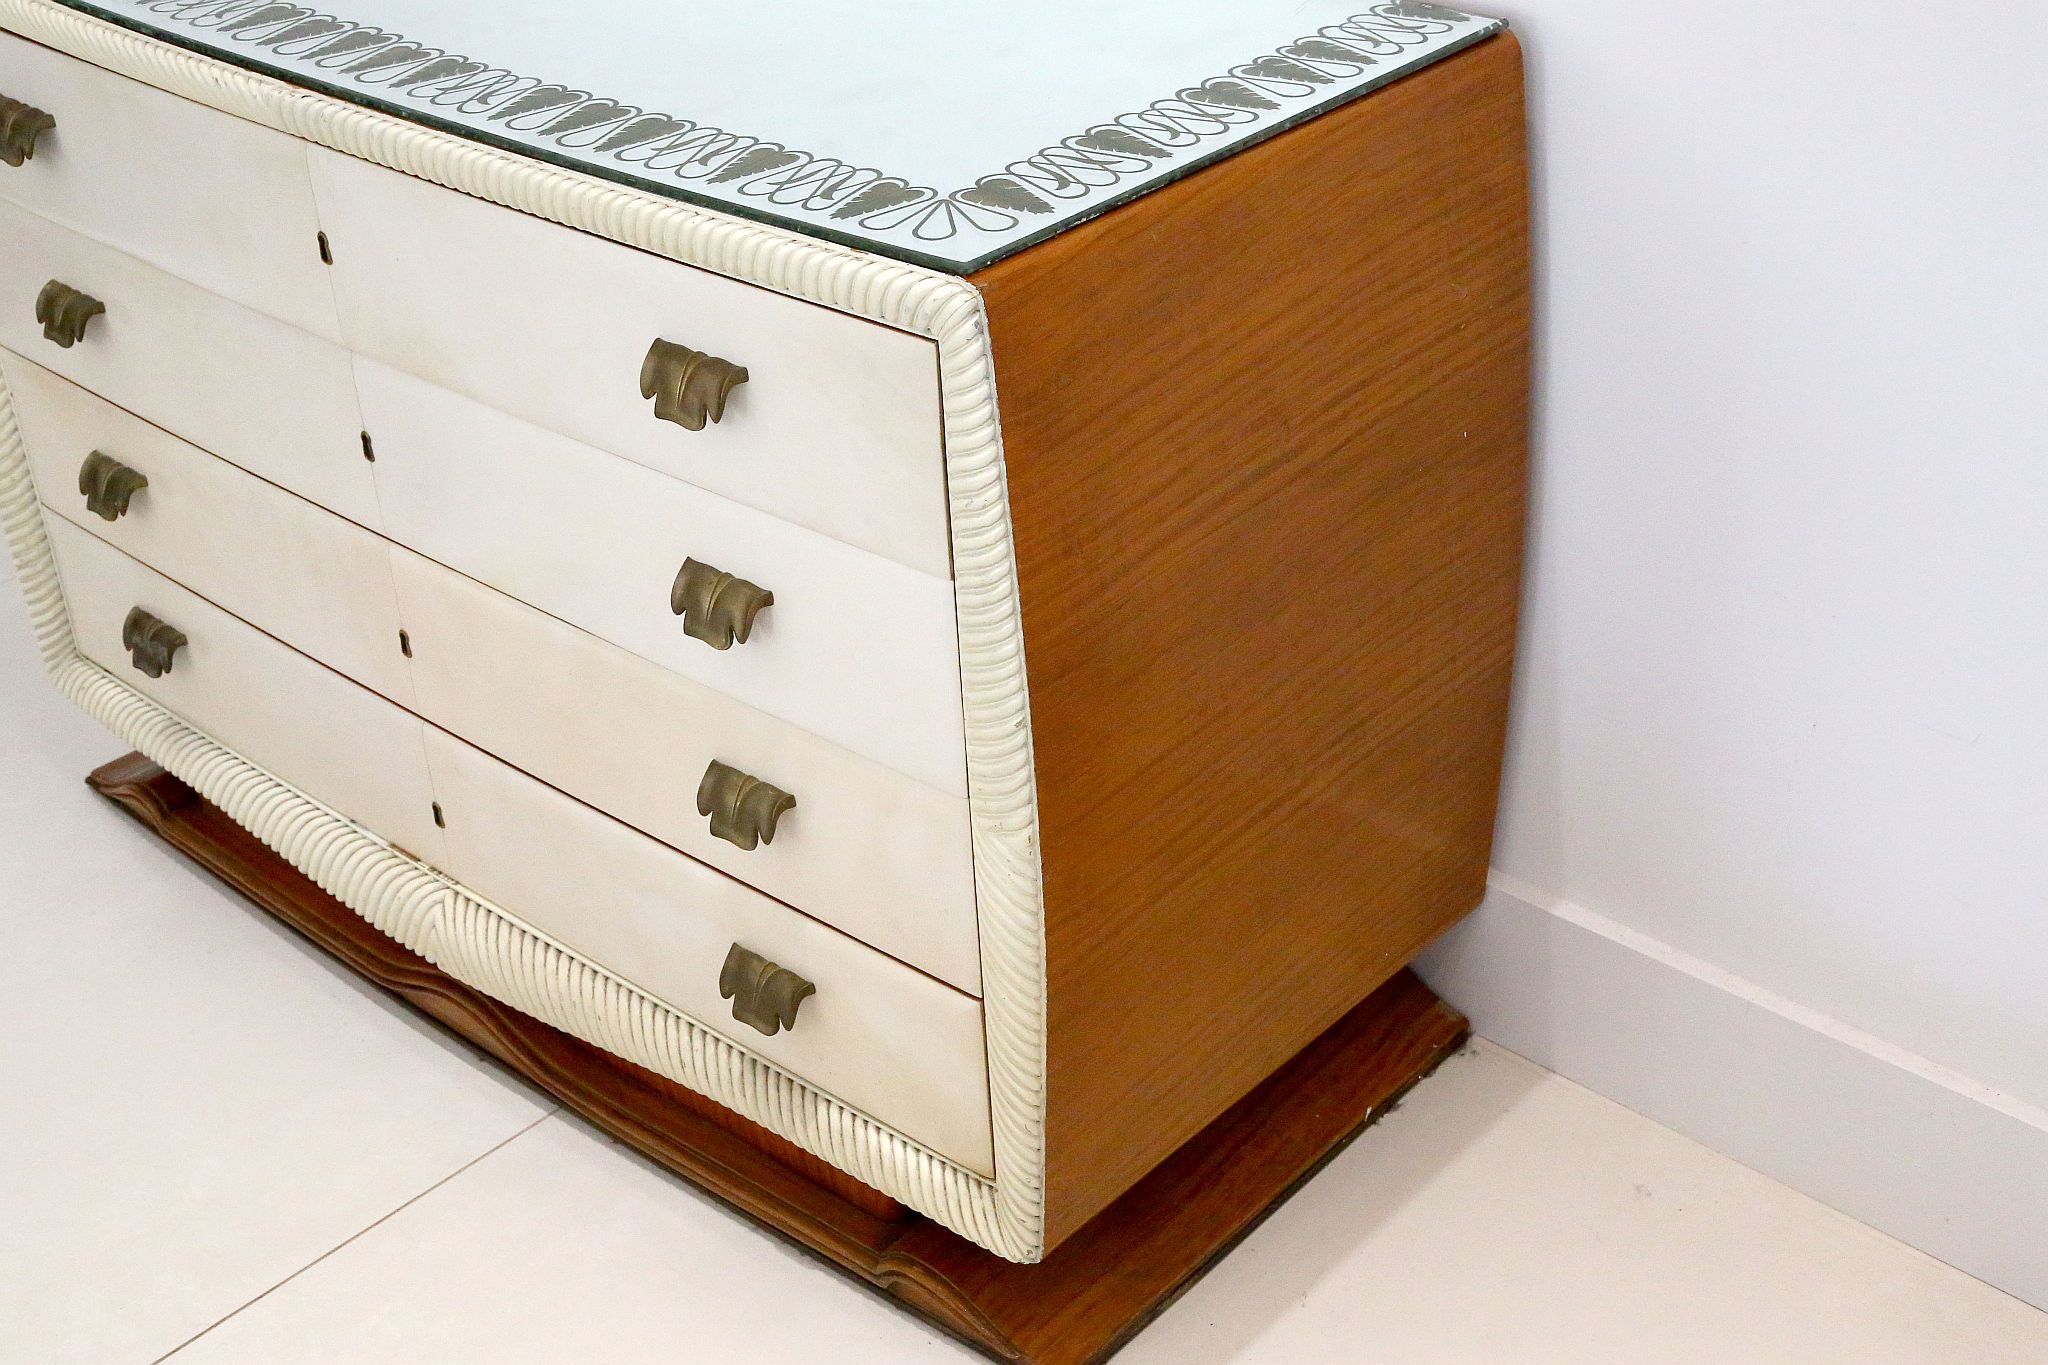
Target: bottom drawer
{"x": 331, "y": 739}
{"x": 884, "y": 1038}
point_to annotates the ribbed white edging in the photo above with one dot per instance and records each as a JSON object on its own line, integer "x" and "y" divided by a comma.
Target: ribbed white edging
{"x": 489, "y": 949}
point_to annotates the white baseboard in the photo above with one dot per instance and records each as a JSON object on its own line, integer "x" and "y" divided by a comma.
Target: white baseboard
{"x": 1890, "y": 1138}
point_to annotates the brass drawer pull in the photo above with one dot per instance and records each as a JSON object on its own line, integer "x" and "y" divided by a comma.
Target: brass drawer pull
{"x": 716, "y": 607}
{"x": 64, "y": 311}
{"x": 687, "y": 386}
{"x": 151, "y": 643}
{"x": 20, "y": 126}
{"x": 108, "y": 485}
{"x": 762, "y": 994}
{"x": 743, "y": 809}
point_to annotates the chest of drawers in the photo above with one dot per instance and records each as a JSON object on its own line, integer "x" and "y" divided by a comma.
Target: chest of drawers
{"x": 969, "y": 683}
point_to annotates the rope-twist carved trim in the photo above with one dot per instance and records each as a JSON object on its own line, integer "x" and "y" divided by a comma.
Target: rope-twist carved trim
{"x": 483, "y": 945}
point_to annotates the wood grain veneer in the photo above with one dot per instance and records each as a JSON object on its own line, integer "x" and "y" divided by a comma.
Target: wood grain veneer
{"x": 1264, "y": 432}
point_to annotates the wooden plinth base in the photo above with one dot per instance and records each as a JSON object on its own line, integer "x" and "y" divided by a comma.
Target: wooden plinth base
{"x": 1077, "y": 1306}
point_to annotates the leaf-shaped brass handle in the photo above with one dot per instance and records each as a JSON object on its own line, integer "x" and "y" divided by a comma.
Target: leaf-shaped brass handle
{"x": 688, "y": 387}
{"x": 763, "y": 995}
{"x": 20, "y": 126}
{"x": 743, "y": 809}
{"x": 151, "y": 643}
{"x": 716, "y": 607}
{"x": 108, "y": 485}
{"x": 64, "y": 311}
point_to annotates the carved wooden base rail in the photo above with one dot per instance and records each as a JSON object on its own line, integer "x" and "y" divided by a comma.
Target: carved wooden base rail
{"x": 1086, "y": 1299}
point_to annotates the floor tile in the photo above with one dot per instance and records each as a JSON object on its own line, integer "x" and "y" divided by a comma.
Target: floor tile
{"x": 1501, "y": 1216}
{"x": 193, "y": 1103}
{"x": 563, "y": 1247}
{"x": 1504, "y": 1216}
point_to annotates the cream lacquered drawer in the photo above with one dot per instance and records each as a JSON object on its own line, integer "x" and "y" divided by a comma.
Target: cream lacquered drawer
{"x": 338, "y": 743}
{"x": 273, "y": 399}
{"x": 865, "y": 849}
{"x": 211, "y": 198}
{"x": 313, "y": 580}
{"x": 837, "y": 427}
{"x": 855, "y": 648}
{"x": 890, "y": 1041}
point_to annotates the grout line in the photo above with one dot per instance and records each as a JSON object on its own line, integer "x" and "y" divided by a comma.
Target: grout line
{"x": 354, "y": 1236}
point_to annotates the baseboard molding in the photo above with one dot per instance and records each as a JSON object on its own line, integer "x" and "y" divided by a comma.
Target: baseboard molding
{"x": 1890, "y": 1138}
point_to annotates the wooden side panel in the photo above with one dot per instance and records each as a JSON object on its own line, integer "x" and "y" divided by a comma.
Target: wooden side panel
{"x": 1265, "y": 435}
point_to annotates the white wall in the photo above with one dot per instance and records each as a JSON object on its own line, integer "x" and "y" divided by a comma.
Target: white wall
{"x": 1783, "y": 698}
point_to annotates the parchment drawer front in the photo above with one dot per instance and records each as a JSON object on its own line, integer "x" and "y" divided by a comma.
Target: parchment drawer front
{"x": 865, "y": 849}
{"x": 273, "y": 399}
{"x": 341, "y": 745}
{"x": 893, "y": 1043}
{"x": 836, "y": 428}
{"x": 856, "y": 648}
{"x": 313, "y": 580}
{"x": 211, "y": 198}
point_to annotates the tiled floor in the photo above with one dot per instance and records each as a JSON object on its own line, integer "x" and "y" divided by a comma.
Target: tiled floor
{"x": 218, "y": 1149}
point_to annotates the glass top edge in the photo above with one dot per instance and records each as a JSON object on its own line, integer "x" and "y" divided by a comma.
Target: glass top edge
{"x": 1018, "y": 205}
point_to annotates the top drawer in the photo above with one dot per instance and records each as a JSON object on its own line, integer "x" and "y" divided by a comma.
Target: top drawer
{"x": 223, "y": 203}
{"x": 837, "y": 427}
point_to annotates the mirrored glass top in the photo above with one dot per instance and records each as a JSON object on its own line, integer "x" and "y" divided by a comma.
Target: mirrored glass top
{"x": 937, "y": 131}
